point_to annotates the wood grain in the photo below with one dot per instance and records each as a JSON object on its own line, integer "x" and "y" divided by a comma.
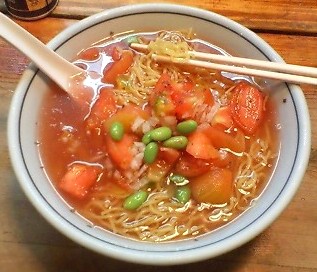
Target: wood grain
{"x": 29, "y": 243}
{"x": 295, "y": 16}
{"x": 270, "y": 15}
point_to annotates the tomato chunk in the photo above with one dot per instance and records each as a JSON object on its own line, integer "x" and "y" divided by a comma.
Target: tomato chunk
{"x": 78, "y": 179}
{"x": 120, "y": 151}
{"x": 104, "y": 107}
{"x": 223, "y": 117}
{"x": 214, "y": 187}
{"x": 208, "y": 97}
{"x": 221, "y": 139}
{"x": 91, "y": 53}
{"x": 247, "y": 107}
{"x": 119, "y": 66}
{"x": 225, "y": 159}
{"x": 200, "y": 146}
{"x": 188, "y": 166}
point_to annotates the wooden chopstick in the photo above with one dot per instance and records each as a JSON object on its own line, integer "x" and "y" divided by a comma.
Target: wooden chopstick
{"x": 280, "y": 71}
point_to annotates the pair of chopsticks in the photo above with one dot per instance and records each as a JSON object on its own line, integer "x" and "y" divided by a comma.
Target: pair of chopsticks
{"x": 271, "y": 70}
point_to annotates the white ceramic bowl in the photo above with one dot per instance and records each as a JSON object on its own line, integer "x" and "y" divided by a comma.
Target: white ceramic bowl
{"x": 293, "y": 118}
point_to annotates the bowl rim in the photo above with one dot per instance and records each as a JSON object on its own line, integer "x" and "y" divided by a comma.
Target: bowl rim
{"x": 159, "y": 258}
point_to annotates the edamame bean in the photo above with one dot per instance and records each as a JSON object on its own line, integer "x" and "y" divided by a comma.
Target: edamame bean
{"x": 116, "y": 131}
{"x": 135, "y": 200}
{"x": 182, "y": 194}
{"x": 147, "y": 138}
{"x": 178, "y": 179}
{"x": 150, "y": 152}
{"x": 161, "y": 134}
{"x": 132, "y": 39}
{"x": 176, "y": 142}
{"x": 186, "y": 127}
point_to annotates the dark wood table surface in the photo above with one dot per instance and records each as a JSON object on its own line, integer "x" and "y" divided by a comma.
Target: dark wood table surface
{"x": 29, "y": 243}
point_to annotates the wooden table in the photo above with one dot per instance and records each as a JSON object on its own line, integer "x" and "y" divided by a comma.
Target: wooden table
{"x": 29, "y": 243}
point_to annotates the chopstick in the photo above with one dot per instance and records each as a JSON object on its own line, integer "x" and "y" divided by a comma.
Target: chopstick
{"x": 272, "y": 70}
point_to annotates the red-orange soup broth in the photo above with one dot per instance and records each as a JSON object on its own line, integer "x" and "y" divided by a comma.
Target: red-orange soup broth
{"x": 166, "y": 152}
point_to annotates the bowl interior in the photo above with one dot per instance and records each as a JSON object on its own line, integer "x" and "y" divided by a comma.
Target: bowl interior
{"x": 235, "y": 39}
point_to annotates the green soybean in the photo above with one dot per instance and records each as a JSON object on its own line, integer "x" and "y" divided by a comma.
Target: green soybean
{"x": 176, "y": 142}
{"x": 178, "y": 179}
{"x": 186, "y": 127}
{"x": 150, "y": 152}
{"x": 147, "y": 138}
{"x": 182, "y": 194}
{"x": 116, "y": 131}
{"x": 132, "y": 39}
{"x": 161, "y": 134}
{"x": 135, "y": 200}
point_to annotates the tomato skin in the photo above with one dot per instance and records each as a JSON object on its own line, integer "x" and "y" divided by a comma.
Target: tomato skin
{"x": 247, "y": 107}
{"x": 214, "y": 187}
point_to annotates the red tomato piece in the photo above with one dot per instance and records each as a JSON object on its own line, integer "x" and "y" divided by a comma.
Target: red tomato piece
{"x": 78, "y": 179}
{"x": 200, "y": 147}
{"x": 104, "y": 107}
{"x": 185, "y": 99}
{"x": 208, "y": 97}
{"x": 225, "y": 159}
{"x": 214, "y": 187}
{"x": 164, "y": 84}
{"x": 189, "y": 167}
{"x": 120, "y": 151}
{"x": 221, "y": 139}
{"x": 247, "y": 107}
{"x": 116, "y": 54}
{"x": 118, "y": 67}
{"x": 89, "y": 54}
{"x": 169, "y": 155}
{"x": 184, "y": 110}
{"x": 223, "y": 117}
